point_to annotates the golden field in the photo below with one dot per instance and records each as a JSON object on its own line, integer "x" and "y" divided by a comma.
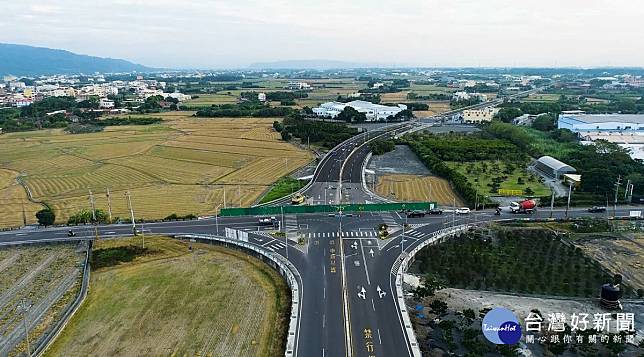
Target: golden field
{"x": 410, "y": 188}
{"x": 182, "y": 165}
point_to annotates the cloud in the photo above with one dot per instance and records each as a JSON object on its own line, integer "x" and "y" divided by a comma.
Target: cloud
{"x": 235, "y": 33}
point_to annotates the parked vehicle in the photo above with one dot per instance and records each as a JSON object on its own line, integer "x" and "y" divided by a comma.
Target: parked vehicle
{"x": 435, "y": 211}
{"x": 525, "y": 206}
{"x": 463, "y": 210}
{"x": 597, "y": 209}
{"x": 71, "y": 233}
{"x": 415, "y": 214}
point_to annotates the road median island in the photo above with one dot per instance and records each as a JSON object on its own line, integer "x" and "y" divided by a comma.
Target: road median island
{"x": 177, "y": 297}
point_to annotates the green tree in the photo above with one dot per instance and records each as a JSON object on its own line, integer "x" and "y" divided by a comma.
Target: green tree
{"x": 286, "y": 136}
{"x": 428, "y": 287}
{"x": 46, "y": 217}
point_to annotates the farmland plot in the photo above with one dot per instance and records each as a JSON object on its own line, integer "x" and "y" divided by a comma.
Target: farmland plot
{"x": 207, "y": 301}
{"x": 169, "y": 167}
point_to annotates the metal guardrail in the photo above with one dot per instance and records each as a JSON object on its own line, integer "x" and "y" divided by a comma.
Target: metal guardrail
{"x": 49, "y": 338}
{"x": 286, "y": 268}
{"x": 399, "y": 269}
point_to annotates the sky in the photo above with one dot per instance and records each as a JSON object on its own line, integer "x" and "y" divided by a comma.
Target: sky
{"x": 236, "y": 33}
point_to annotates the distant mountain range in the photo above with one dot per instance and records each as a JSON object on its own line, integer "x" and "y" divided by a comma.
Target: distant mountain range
{"x": 22, "y": 60}
{"x": 315, "y": 64}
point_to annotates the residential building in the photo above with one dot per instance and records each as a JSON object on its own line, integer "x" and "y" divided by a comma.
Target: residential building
{"x": 477, "y": 116}
{"x": 373, "y": 112}
{"x": 106, "y": 103}
{"x": 261, "y": 97}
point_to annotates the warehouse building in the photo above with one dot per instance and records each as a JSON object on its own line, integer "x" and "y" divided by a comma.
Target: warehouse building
{"x": 552, "y": 167}
{"x": 579, "y": 122}
{"x": 373, "y": 112}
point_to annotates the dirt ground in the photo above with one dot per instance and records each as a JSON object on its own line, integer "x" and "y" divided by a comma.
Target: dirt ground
{"x": 172, "y": 301}
{"x": 624, "y": 255}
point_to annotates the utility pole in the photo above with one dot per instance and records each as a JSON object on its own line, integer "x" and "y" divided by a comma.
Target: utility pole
{"x": 109, "y": 203}
{"x": 24, "y": 214}
{"x": 239, "y": 195}
{"x": 617, "y": 184}
{"x": 129, "y": 204}
{"x": 224, "y": 187}
{"x": 552, "y": 202}
{"x": 282, "y": 226}
{"x": 217, "y": 218}
{"x": 25, "y": 305}
{"x": 93, "y": 203}
{"x": 569, "y": 194}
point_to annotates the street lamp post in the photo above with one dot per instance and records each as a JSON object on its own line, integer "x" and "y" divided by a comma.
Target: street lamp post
{"x": 217, "y": 218}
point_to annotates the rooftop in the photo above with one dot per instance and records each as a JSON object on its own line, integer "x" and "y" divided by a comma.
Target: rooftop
{"x": 554, "y": 163}
{"x": 607, "y": 118}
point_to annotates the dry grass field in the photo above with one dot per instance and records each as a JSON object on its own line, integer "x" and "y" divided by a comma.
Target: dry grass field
{"x": 169, "y": 301}
{"x": 410, "y": 188}
{"x": 182, "y": 165}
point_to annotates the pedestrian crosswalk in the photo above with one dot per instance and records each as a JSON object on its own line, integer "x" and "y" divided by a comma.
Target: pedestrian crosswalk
{"x": 290, "y": 225}
{"x": 414, "y": 234}
{"x": 388, "y": 219}
{"x": 348, "y": 234}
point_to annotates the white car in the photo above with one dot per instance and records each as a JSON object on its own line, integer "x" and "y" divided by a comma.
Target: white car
{"x": 463, "y": 210}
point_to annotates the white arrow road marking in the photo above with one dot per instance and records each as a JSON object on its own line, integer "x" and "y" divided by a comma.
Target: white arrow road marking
{"x": 381, "y": 293}
{"x": 362, "y": 294}
{"x": 371, "y": 252}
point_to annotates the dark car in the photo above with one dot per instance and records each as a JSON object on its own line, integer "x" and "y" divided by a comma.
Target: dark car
{"x": 415, "y": 214}
{"x": 597, "y": 209}
{"x": 435, "y": 211}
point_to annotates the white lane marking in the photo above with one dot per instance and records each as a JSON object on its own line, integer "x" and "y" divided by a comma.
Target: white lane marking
{"x": 373, "y": 306}
{"x": 22, "y": 234}
{"x": 364, "y": 261}
{"x": 110, "y": 232}
{"x": 379, "y": 339}
{"x": 392, "y": 247}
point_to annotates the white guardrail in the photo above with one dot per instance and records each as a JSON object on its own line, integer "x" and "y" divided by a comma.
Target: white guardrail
{"x": 399, "y": 269}
{"x": 286, "y": 268}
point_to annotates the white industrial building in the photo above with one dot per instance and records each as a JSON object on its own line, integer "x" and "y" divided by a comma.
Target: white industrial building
{"x": 373, "y": 112}
{"x": 626, "y": 130}
{"x": 578, "y": 122}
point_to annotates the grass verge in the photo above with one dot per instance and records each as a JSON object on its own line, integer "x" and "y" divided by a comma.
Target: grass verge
{"x": 168, "y": 299}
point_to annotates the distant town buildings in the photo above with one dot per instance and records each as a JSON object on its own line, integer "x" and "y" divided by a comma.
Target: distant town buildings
{"x": 16, "y": 93}
{"x": 373, "y": 112}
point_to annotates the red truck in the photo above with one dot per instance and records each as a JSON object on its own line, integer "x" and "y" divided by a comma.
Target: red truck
{"x": 525, "y": 206}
